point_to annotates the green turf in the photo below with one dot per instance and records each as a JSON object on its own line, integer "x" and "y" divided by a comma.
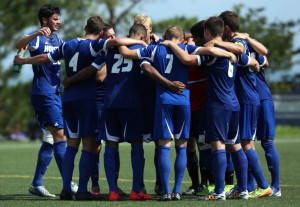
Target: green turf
{"x": 17, "y": 161}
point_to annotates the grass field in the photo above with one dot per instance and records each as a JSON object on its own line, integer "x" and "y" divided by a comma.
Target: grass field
{"x": 17, "y": 163}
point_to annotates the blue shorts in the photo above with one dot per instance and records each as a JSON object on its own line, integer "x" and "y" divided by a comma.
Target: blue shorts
{"x": 248, "y": 121}
{"x": 148, "y": 110}
{"x": 48, "y": 110}
{"x": 172, "y": 121}
{"x": 119, "y": 125}
{"x": 80, "y": 118}
{"x": 222, "y": 125}
{"x": 266, "y": 120}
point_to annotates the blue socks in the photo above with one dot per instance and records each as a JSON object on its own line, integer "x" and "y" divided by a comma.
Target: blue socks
{"x": 117, "y": 163}
{"x": 255, "y": 167}
{"x": 158, "y": 180}
{"x": 43, "y": 161}
{"x": 95, "y": 170}
{"x": 251, "y": 181}
{"x": 240, "y": 163}
{"x": 164, "y": 164}
{"x": 273, "y": 162}
{"x": 85, "y": 167}
{"x": 110, "y": 167}
{"x": 137, "y": 163}
{"x": 219, "y": 163}
{"x": 179, "y": 167}
{"x": 68, "y": 167}
{"x": 59, "y": 149}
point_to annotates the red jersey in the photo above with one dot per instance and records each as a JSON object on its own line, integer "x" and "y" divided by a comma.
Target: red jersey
{"x": 197, "y": 86}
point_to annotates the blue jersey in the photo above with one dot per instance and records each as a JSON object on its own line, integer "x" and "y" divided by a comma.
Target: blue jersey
{"x": 78, "y": 54}
{"x": 169, "y": 66}
{"x": 261, "y": 83}
{"x": 246, "y": 79}
{"x": 221, "y": 74}
{"x": 122, "y": 91}
{"x": 46, "y": 79}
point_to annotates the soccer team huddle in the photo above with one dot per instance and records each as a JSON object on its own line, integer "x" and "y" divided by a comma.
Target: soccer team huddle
{"x": 205, "y": 91}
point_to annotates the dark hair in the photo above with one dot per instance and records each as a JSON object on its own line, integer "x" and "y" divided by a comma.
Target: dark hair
{"x": 94, "y": 25}
{"x": 198, "y": 29}
{"x": 231, "y": 19}
{"x": 107, "y": 27}
{"x": 137, "y": 29}
{"x": 215, "y": 25}
{"x": 47, "y": 11}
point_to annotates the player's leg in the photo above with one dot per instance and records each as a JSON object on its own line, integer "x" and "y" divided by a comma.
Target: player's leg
{"x": 266, "y": 134}
{"x": 239, "y": 159}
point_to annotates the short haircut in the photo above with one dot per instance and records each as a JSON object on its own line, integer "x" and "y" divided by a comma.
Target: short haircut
{"x": 197, "y": 29}
{"x": 142, "y": 19}
{"x": 94, "y": 25}
{"x": 215, "y": 25}
{"x": 107, "y": 27}
{"x": 174, "y": 32}
{"x": 47, "y": 11}
{"x": 137, "y": 29}
{"x": 231, "y": 19}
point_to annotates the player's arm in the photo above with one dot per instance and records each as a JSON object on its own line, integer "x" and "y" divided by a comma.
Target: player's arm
{"x": 229, "y": 46}
{"x": 36, "y": 60}
{"x": 248, "y": 62}
{"x": 175, "y": 86}
{"x": 81, "y": 75}
{"x": 24, "y": 41}
{"x": 123, "y": 42}
{"x": 257, "y": 46}
{"x": 101, "y": 74}
{"x": 217, "y": 52}
{"x": 127, "y": 53}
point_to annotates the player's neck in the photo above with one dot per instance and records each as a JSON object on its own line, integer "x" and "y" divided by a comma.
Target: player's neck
{"x": 90, "y": 36}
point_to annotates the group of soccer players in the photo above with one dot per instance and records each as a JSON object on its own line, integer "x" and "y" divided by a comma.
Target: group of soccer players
{"x": 112, "y": 97}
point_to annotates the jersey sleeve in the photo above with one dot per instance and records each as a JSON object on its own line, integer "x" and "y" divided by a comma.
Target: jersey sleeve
{"x": 147, "y": 53}
{"x": 243, "y": 60}
{"x": 57, "y": 54}
{"x": 97, "y": 46}
{"x": 99, "y": 61}
{"x": 191, "y": 49}
{"x": 261, "y": 60}
{"x": 204, "y": 59}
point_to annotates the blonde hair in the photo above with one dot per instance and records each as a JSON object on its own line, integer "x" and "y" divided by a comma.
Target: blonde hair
{"x": 174, "y": 32}
{"x": 144, "y": 20}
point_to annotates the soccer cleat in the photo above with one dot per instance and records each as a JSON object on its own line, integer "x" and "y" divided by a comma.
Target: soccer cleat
{"x": 40, "y": 191}
{"x": 260, "y": 193}
{"x": 114, "y": 196}
{"x": 212, "y": 196}
{"x": 234, "y": 193}
{"x": 205, "y": 190}
{"x": 275, "y": 192}
{"x": 87, "y": 196}
{"x": 175, "y": 196}
{"x": 228, "y": 188}
{"x": 120, "y": 191}
{"x": 139, "y": 196}
{"x": 190, "y": 191}
{"x": 74, "y": 187}
{"x": 95, "y": 190}
{"x": 158, "y": 190}
{"x": 165, "y": 197}
{"x": 64, "y": 195}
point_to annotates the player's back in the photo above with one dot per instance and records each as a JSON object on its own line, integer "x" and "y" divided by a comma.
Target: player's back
{"x": 246, "y": 79}
{"x": 220, "y": 83}
{"x": 122, "y": 89}
{"x": 78, "y": 54}
{"x": 261, "y": 83}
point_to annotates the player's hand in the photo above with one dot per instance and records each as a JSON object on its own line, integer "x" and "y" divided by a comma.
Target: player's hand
{"x": 176, "y": 86}
{"x": 154, "y": 37}
{"x": 232, "y": 57}
{"x": 19, "y": 60}
{"x": 166, "y": 43}
{"x": 44, "y": 31}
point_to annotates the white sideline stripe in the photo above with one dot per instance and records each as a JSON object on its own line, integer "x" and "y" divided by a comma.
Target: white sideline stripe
{"x": 34, "y": 145}
{"x": 103, "y": 179}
